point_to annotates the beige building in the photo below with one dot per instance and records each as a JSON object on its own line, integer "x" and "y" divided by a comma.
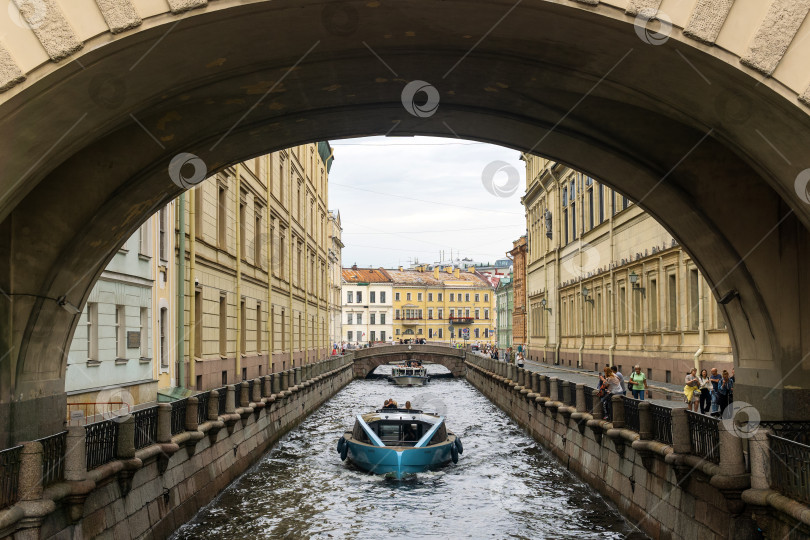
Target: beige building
{"x": 335, "y": 254}
{"x": 256, "y": 248}
{"x": 607, "y": 284}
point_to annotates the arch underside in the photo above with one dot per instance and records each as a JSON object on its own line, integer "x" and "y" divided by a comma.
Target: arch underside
{"x": 694, "y": 138}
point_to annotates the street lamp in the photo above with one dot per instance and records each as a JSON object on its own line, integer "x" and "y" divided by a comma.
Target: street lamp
{"x": 543, "y": 305}
{"x": 586, "y": 295}
{"x": 636, "y": 285}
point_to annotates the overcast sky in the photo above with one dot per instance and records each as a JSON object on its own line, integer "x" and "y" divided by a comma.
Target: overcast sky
{"x": 407, "y": 198}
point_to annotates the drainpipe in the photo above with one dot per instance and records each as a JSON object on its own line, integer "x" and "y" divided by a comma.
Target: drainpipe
{"x": 181, "y": 289}
{"x": 192, "y": 265}
{"x": 239, "y": 226}
{"x": 612, "y": 347}
{"x": 701, "y": 326}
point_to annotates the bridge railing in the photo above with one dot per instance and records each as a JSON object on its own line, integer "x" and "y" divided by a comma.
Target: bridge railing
{"x": 9, "y": 475}
{"x": 704, "y": 434}
{"x": 101, "y": 441}
{"x": 146, "y": 426}
{"x": 53, "y": 457}
{"x": 790, "y": 468}
{"x": 661, "y": 423}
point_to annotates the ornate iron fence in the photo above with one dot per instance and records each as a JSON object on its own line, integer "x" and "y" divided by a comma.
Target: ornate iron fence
{"x": 9, "y": 475}
{"x": 53, "y": 458}
{"x": 101, "y": 442}
{"x": 179, "y": 416}
{"x": 661, "y": 423}
{"x": 572, "y": 395}
{"x": 250, "y": 390}
{"x": 589, "y": 399}
{"x": 704, "y": 435}
{"x": 796, "y": 431}
{"x": 631, "y": 413}
{"x": 202, "y": 407}
{"x": 790, "y": 468}
{"x": 223, "y": 396}
{"x": 146, "y": 421}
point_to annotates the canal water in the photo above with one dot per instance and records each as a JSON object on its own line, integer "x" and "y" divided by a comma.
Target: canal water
{"x": 504, "y": 485}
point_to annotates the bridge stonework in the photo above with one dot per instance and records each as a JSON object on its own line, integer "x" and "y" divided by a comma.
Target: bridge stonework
{"x": 367, "y": 360}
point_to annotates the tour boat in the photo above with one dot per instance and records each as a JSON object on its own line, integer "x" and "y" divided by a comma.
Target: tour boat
{"x": 399, "y": 442}
{"x": 409, "y": 376}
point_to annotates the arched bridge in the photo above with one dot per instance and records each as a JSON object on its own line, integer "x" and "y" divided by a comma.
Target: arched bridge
{"x": 705, "y": 123}
{"x": 367, "y": 360}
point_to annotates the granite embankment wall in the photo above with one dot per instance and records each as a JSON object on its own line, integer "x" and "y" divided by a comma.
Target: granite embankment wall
{"x": 150, "y": 492}
{"x": 667, "y": 494}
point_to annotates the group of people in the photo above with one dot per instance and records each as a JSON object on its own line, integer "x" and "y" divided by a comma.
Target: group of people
{"x": 612, "y": 382}
{"x": 711, "y": 391}
{"x": 391, "y": 404}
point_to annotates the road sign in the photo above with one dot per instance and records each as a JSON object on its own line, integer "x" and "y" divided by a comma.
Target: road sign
{"x": 466, "y": 333}
{"x": 451, "y": 328}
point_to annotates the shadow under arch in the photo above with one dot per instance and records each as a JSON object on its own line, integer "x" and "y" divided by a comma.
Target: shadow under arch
{"x": 229, "y": 84}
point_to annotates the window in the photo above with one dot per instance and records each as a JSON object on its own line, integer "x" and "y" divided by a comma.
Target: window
{"x": 242, "y": 327}
{"x": 382, "y": 321}
{"x": 199, "y": 382}
{"x": 257, "y": 239}
{"x": 466, "y": 313}
{"x": 359, "y": 297}
{"x": 591, "y": 224}
{"x": 198, "y": 330}
{"x": 359, "y": 318}
{"x": 144, "y": 332}
{"x": 440, "y": 297}
{"x": 573, "y": 221}
{"x": 565, "y": 226}
{"x": 120, "y": 332}
{"x": 601, "y": 204}
{"x": 486, "y": 298}
{"x": 349, "y": 318}
{"x": 408, "y": 296}
{"x": 258, "y": 326}
{"x": 349, "y": 335}
{"x": 163, "y": 236}
{"x": 198, "y": 210}
{"x": 419, "y": 331}
{"x": 224, "y": 377}
{"x": 430, "y": 297}
{"x": 430, "y": 313}
{"x": 452, "y": 312}
{"x": 672, "y": 307}
{"x": 477, "y": 332}
{"x": 373, "y": 318}
{"x": 467, "y": 297}
{"x": 92, "y": 331}
{"x": 430, "y": 332}
{"x": 397, "y": 331}
{"x": 419, "y": 297}
{"x": 441, "y": 333}
{"x": 477, "y": 313}
{"x": 486, "y": 332}
{"x": 371, "y": 296}
{"x": 164, "y": 345}
{"x": 283, "y": 331}
{"x": 222, "y": 216}
{"x": 452, "y": 297}
{"x": 349, "y": 297}
{"x": 477, "y": 297}
{"x": 486, "y": 313}
{"x": 382, "y": 299}
{"x": 694, "y": 301}
{"x": 622, "y": 309}
{"x": 373, "y": 336}
{"x": 223, "y": 325}
{"x": 143, "y": 243}
{"x": 653, "y": 305}
{"x": 382, "y": 335}
{"x": 396, "y": 297}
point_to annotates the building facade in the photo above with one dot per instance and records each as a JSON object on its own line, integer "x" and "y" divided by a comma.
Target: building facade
{"x": 367, "y": 305}
{"x": 115, "y": 357}
{"x": 439, "y": 304}
{"x": 335, "y": 256}
{"x": 256, "y": 251}
{"x": 505, "y": 305}
{"x": 519, "y": 317}
{"x": 606, "y": 284}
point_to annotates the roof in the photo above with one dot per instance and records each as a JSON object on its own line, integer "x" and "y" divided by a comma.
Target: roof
{"x": 427, "y": 279}
{"x": 366, "y": 275}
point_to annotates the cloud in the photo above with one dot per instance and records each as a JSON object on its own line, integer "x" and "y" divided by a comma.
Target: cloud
{"x": 407, "y": 198}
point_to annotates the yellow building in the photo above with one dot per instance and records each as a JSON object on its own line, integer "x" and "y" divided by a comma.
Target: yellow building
{"x": 256, "y": 241}
{"x": 439, "y": 304}
{"x": 606, "y": 283}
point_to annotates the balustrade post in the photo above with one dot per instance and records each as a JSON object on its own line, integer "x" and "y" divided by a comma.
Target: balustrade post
{"x": 126, "y": 438}
{"x": 266, "y": 389}
{"x": 290, "y": 378}
{"x": 530, "y": 381}
{"x": 618, "y": 411}
{"x": 566, "y": 397}
{"x": 645, "y": 420}
{"x": 244, "y": 396}
{"x": 536, "y": 383}
{"x": 192, "y": 404}
{"x": 275, "y": 383}
{"x": 213, "y": 405}
{"x": 598, "y": 411}
{"x": 282, "y": 381}
{"x": 230, "y": 400}
{"x": 759, "y": 451}
{"x": 164, "y": 427}
{"x": 76, "y": 454}
{"x": 29, "y": 483}
{"x": 554, "y": 389}
{"x": 732, "y": 460}
{"x": 257, "y": 391}
{"x": 580, "y": 397}
{"x": 543, "y": 386}
{"x": 681, "y": 438}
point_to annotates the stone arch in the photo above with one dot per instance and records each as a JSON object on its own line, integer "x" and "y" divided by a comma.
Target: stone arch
{"x": 367, "y": 360}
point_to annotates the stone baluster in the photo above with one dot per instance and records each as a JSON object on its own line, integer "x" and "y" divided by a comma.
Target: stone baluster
{"x": 618, "y": 411}
{"x": 645, "y": 427}
{"x": 244, "y": 396}
{"x": 29, "y": 483}
{"x": 532, "y": 381}
{"x": 213, "y": 405}
{"x": 191, "y": 424}
{"x": 275, "y": 383}
{"x": 681, "y": 440}
{"x": 283, "y": 381}
{"x": 566, "y": 397}
{"x": 598, "y": 411}
{"x": 230, "y": 400}
{"x": 267, "y": 390}
{"x": 580, "y": 390}
{"x": 76, "y": 454}
{"x": 257, "y": 391}
{"x": 760, "y": 455}
{"x": 164, "y": 431}
{"x": 732, "y": 460}
{"x": 554, "y": 389}
{"x": 543, "y": 391}
{"x": 290, "y": 378}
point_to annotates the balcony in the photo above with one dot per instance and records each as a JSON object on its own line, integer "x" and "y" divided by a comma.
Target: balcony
{"x": 461, "y": 320}
{"x": 409, "y": 321}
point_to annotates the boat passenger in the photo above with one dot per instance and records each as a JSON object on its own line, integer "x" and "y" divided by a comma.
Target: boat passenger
{"x": 408, "y": 405}
{"x": 391, "y": 404}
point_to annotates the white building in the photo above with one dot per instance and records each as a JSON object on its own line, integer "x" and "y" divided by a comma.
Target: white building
{"x": 335, "y": 278}
{"x": 367, "y": 305}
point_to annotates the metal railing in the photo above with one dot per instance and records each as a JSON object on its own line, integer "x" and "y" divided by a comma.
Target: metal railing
{"x": 9, "y": 475}
{"x": 546, "y": 387}
{"x": 146, "y": 424}
{"x": 704, "y": 434}
{"x": 101, "y": 443}
{"x": 53, "y": 458}
{"x": 631, "y": 413}
{"x": 250, "y": 390}
{"x": 223, "y": 396}
{"x": 572, "y": 395}
{"x": 202, "y": 407}
{"x": 797, "y": 431}
{"x": 790, "y": 468}
{"x": 661, "y": 423}
{"x": 589, "y": 399}
{"x": 179, "y": 416}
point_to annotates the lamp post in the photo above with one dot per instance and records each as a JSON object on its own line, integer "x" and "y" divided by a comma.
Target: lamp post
{"x": 636, "y": 285}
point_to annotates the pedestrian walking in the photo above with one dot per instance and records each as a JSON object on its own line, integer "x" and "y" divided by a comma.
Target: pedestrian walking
{"x": 705, "y": 387}
{"x": 638, "y": 383}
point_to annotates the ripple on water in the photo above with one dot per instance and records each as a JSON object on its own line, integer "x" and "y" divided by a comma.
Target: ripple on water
{"x": 504, "y": 486}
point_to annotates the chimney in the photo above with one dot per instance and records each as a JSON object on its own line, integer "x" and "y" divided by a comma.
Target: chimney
{"x": 436, "y": 272}
{"x": 457, "y": 272}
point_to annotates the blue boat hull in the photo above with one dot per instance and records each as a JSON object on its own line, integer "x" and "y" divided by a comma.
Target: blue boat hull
{"x": 399, "y": 461}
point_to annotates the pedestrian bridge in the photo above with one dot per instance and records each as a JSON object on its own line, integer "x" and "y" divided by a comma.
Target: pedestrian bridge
{"x": 367, "y": 360}
{"x": 704, "y": 123}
